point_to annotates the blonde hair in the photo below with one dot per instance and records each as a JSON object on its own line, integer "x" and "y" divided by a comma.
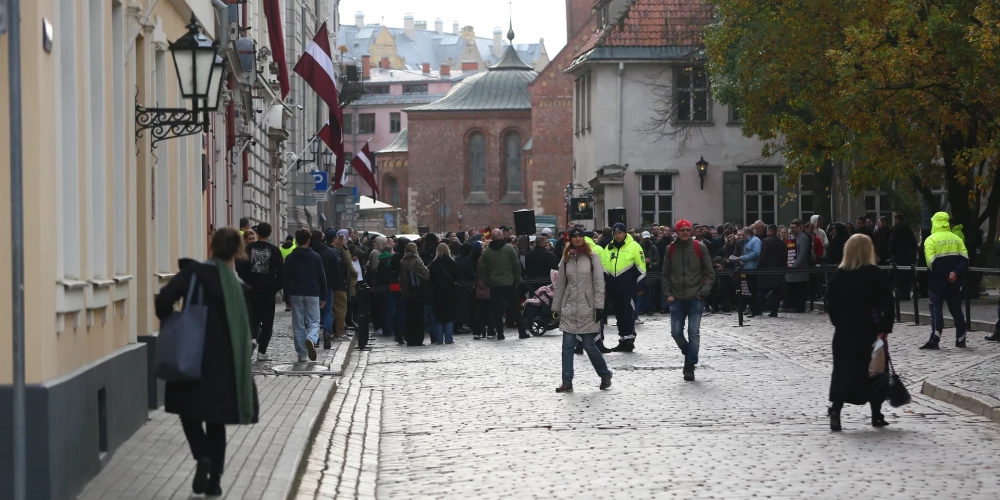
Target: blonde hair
{"x": 410, "y": 248}
{"x": 858, "y": 251}
{"x": 443, "y": 250}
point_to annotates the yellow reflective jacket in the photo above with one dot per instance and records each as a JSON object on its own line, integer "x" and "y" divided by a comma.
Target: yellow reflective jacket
{"x": 945, "y": 253}
{"x": 625, "y": 267}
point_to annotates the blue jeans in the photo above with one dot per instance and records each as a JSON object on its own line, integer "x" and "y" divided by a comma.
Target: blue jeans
{"x": 589, "y": 345}
{"x": 389, "y": 313}
{"x": 692, "y": 310}
{"x": 430, "y": 321}
{"x": 327, "y": 313}
{"x": 305, "y": 322}
{"x": 443, "y": 332}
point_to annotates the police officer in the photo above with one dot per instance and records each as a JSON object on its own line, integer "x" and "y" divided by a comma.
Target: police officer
{"x": 947, "y": 262}
{"x": 625, "y": 270}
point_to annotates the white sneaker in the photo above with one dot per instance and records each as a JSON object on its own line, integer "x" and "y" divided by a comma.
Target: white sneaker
{"x": 262, "y": 357}
{"x": 639, "y": 321}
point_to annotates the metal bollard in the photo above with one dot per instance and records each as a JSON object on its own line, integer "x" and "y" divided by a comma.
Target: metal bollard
{"x": 895, "y": 293}
{"x": 916, "y": 295}
{"x": 809, "y": 293}
{"x": 364, "y": 314}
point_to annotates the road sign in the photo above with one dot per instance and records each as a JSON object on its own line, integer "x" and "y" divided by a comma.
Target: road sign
{"x": 320, "y": 181}
{"x": 357, "y": 196}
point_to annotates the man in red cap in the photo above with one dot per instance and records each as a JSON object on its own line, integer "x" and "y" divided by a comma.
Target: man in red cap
{"x": 687, "y": 279}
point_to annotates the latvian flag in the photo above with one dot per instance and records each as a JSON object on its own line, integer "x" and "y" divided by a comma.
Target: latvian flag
{"x": 362, "y": 164}
{"x": 316, "y": 68}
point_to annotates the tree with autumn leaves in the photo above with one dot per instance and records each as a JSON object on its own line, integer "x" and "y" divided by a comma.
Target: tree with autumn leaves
{"x": 898, "y": 91}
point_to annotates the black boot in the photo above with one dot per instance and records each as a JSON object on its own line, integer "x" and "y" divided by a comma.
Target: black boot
{"x": 201, "y": 482}
{"x": 932, "y": 344}
{"x": 326, "y": 341}
{"x": 834, "y": 414}
{"x": 688, "y": 372}
{"x": 996, "y": 333}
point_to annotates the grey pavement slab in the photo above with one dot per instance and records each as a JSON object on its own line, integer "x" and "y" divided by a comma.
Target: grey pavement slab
{"x": 284, "y": 359}
{"x": 480, "y": 419}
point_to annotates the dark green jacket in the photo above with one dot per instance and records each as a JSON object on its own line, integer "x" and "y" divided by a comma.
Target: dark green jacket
{"x": 500, "y": 265}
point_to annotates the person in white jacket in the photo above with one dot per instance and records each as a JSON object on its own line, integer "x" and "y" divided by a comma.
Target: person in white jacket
{"x": 578, "y": 304}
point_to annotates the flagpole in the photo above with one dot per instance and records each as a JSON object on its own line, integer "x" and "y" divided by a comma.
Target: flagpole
{"x": 287, "y": 169}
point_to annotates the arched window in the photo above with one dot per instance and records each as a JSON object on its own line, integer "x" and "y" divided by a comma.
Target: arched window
{"x": 391, "y": 189}
{"x": 477, "y": 163}
{"x": 512, "y": 163}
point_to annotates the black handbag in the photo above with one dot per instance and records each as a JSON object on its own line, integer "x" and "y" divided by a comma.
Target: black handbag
{"x": 898, "y": 395}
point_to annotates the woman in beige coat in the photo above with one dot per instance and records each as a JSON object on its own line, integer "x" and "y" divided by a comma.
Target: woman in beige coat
{"x": 578, "y": 302}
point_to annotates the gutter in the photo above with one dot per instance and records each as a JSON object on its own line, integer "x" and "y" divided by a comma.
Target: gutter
{"x": 618, "y": 112}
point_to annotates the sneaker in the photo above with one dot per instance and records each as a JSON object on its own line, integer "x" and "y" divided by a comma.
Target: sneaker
{"x": 605, "y": 382}
{"x": 639, "y": 321}
{"x": 624, "y": 347}
{"x": 565, "y": 387}
{"x": 262, "y": 357}
{"x": 524, "y": 336}
{"x": 931, "y": 344}
{"x": 578, "y": 350}
{"x": 303, "y": 359}
{"x": 688, "y": 372}
{"x": 476, "y": 337}
{"x": 311, "y": 349}
{"x": 604, "y": 350}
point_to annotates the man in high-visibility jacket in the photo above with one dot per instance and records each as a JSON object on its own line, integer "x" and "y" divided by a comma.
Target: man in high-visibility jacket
{"x": 947, "y": 261}
{"x": 625, "y": 271}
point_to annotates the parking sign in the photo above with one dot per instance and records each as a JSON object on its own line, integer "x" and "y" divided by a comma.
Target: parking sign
{"x": 320, "y": 181}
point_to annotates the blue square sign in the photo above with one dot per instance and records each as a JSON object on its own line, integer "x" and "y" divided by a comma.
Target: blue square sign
{"x": 321, "y": 181}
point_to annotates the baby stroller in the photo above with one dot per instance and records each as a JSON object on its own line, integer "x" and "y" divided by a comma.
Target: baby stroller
{"x": 537, "y": 312}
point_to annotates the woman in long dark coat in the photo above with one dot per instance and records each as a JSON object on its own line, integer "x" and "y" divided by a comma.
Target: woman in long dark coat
{"x": 444, "y": 295}
{"x": 412, "y": 280}
{"x": 226, "y": 393}
{"x": 464, "y": 311}
{"x": 861, "y": 310}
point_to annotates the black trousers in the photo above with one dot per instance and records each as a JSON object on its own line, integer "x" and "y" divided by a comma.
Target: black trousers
{"x": 763, "y": 295}
{"x": 414, "y": 323}
{"x": 499, "y": 297}
{"x": 624, "y": 309}
{"x": 797, "y": 295}
{"x": 262, "y": 318}
{"x": 377, "y": 305}
{"x": 207, "y": 439}
{"x": 752, "y": 299}
{"x": 480, "y": 321}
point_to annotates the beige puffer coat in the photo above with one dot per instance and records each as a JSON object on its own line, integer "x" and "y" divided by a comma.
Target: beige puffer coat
{"x": 579, "y": 292}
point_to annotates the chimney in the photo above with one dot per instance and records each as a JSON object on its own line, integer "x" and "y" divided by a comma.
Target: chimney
{"x": 445, "y": 69}
{"x": 454, "y": 28}
{"x": 470, "y": 66}
{"x": 469, "y": 33}
{"x": 359, "y": 19}
{"x": 385, "y": 62}
{"x": 420, "y": 25}
{"x": 408, "y": 26}
{"x": 366, "y": 67}
{"x": 498, "y": 47}
{"x": 427, "y": 68}
{"x": 439, "y": 25}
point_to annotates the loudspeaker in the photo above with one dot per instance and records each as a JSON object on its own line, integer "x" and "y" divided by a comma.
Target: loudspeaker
{"x": 616, "y": 215}
{"x": 524, "y": 222}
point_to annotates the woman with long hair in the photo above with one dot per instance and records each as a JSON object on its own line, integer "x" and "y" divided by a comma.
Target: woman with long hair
{"x": 412, "y": 276}
{"x": 225, "y": 393}
{"x": 578, "y": 302}
{"x": 861, "y": 310}
{"x": 444, "y": 295}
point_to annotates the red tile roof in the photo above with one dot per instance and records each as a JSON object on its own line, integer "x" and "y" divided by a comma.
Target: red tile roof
{"x": 656, "y": 23}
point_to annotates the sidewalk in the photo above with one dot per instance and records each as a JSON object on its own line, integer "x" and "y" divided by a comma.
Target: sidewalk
{"x": 262, "y": 460}
{"x": 975, "y": 388}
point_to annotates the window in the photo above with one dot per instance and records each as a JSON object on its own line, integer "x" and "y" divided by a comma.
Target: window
{"x": 395, "y": 123}
{"x": 391, "y": 188}
{"x": 378, "y": 89}
{"x": 348, "y": 123}
{"x": 691, "y": 94}
{"x": 734, "y": 115}
{"x": 67, "y": 151}
{"x": 415, "y": 89}
{"x": 604, "y": 15}
{"x": 366, "y": 123}
{"x": 96, "y": 234}
{"x": 807, "y": 198}
{"x": 760, "y": 197}
{"x": 582, "y": 119}
{"x": 877, "y": 204}
{"x": 118, "y": 182}
{"x": 512, "y": 162}
{"x": 477, "y": 163}
{"x": 657, "y": 199}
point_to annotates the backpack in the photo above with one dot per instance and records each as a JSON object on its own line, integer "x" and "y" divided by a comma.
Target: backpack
{"x": 697, "y": 251}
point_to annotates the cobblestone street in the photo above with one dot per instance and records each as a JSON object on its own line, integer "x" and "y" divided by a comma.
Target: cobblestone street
{"x": 480, "y": 419}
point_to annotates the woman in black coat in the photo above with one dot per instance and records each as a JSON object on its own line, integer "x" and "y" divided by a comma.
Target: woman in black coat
{"x": 861, "y": 310}
{"x": 444, "y": 295}
{"x": 206, "y": 405}
{"x": 467, "y": 279}
{"x": 539, "y": 262}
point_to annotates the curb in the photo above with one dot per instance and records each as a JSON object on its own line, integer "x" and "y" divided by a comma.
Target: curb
{"x": 925, "y": 319}
{"x": 979, "y": 404}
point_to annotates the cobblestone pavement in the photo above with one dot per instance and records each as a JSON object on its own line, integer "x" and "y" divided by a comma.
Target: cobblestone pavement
{"x": 480, "y": 419}
{"x": 262, "y": 460}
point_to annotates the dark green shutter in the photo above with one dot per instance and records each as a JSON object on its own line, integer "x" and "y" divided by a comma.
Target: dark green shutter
{"x": 732, "y": 196}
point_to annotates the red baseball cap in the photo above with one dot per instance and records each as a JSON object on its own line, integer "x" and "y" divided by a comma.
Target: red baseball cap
{"x": 682, "y": 223}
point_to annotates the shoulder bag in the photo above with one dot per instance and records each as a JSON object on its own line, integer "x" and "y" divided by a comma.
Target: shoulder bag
{"x": 180, "y": 345}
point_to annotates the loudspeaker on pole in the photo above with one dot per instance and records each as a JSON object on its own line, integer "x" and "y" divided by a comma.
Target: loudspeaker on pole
{"x": 524, "y": 222}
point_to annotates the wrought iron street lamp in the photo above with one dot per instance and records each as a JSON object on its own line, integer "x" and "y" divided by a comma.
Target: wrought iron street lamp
{"x": 702, "y": 171}
{"x": 200, "y": 73}
{"x": 327, "y": 157}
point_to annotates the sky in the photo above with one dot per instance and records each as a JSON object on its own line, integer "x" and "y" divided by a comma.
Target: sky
{"x": 533, "y": 19}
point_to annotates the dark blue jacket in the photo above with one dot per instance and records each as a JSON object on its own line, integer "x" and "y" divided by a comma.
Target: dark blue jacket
{"x": 304, "y": 274}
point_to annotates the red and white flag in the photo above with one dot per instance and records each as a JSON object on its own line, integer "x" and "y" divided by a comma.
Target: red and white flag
{"x": 316, "y": 68}
{"x": 362, "y": 164}
{"x": 272, "y": 11}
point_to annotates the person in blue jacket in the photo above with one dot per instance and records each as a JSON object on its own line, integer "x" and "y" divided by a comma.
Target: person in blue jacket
{"x": 751, "y": 254}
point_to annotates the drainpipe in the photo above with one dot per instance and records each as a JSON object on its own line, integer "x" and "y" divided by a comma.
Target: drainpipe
{"x": 618, "y": 120}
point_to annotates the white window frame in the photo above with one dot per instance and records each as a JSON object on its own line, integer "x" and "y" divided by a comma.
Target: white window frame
{"x": 657, "y": 193}
{"x": 688, "y": 93}
{"x": 68, "y": 150}
{"x": 760, "y": 194}
{"x": 879, "y": 211}
{"x": 97, "y": 147}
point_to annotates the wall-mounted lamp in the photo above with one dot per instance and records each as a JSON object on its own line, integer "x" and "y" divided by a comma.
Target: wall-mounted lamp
{"x": 702, "y": 171}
